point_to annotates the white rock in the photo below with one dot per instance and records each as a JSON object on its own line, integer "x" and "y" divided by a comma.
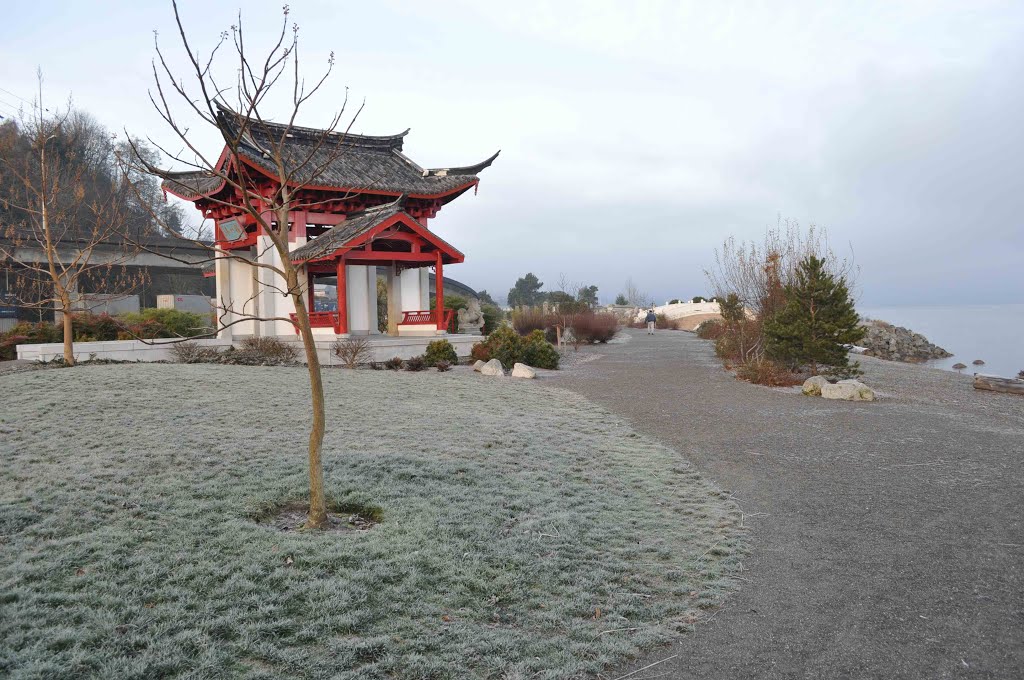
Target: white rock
{"x": 492, "y": 367}
{"x": 523, "y": 371}
{"x": 812, "y": 386}
{"x": 478, "y": 365}
{"x": 849, "y": 390}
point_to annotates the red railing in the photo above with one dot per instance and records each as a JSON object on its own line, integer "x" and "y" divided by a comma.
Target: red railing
{"x": 427, "y": 317}
{"x": 318, "y": 320}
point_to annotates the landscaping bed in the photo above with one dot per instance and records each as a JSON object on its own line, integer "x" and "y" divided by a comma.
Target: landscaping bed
{"x": 520, "y": 531}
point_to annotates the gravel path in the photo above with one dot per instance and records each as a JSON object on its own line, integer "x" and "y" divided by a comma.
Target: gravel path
{"x": 886, "y": 537}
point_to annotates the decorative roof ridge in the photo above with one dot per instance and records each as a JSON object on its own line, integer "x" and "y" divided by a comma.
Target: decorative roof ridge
{"x": 397, "y": 205}
{"x": 464, "y": 170}
{"x": 176, "y": 174}
{"x": 389, "y": 142}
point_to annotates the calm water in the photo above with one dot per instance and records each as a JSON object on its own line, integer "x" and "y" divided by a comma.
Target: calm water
{"x": 993, "y": 333}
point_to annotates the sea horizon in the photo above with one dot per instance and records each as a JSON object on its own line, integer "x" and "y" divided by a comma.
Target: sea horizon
{"x": 993, "y": 333}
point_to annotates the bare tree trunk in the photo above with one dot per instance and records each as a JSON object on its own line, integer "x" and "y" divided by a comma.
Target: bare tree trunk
{"x": 69, "y": 334}
{"x": 317, "y": 503}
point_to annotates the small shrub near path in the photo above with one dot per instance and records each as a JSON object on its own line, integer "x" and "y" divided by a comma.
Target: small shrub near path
{"x": 549, "y": 545}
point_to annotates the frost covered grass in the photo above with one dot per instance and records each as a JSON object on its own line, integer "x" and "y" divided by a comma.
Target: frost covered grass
{"x": 526, "y": 533}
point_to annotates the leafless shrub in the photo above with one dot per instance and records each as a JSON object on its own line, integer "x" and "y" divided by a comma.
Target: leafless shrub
{"x": 415, "y": 364}
{"x": 589, "y": 328}
{"x": 767, "y": 372}
{"x": 443, "y": 366}
{"x": 193, "y": 353}
{"x": 269, "y": 348}
{"x": 352, "y": 351}
{"x": 758, "y": 272}
{"x": 712, "y": 329}
{"x": 530, "y": 319}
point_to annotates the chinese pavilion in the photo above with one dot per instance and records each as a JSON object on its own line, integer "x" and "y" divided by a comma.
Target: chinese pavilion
{"x": 366, "y": 214}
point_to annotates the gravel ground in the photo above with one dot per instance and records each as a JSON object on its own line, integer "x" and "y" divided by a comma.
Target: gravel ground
{"x": 887, "y": 538}
{"x": 526, "y": 532}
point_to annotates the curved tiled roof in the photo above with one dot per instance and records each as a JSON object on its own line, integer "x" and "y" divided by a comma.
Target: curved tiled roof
{"x": 343, "y": 161}
{"x": 336, "y": 237}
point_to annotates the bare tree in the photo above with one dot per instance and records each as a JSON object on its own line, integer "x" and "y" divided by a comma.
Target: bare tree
{"x": 238, "y": 115}
{"x": 758, "y": 272}
{"x": 634, "y": 296}
{"x": 62, "y": 218}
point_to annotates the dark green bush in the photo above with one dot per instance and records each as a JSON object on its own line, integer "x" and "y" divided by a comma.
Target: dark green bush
{"x": 510, "y": 348}
{"x": 493, "y": 316}
{"x": 538, "y": 352}
{"x": 440, "y": 350}
{"x": 166, "y": 323}
{"x": 25, "y": 333}
{"x": 96, "y": 327}
{"x": 505, "y": 345}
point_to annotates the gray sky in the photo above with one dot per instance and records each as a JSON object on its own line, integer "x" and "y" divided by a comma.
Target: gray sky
{"x": 636, "y": 136}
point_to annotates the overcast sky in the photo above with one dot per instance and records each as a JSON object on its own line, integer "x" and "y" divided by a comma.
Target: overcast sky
{"x": 636, "y": 136}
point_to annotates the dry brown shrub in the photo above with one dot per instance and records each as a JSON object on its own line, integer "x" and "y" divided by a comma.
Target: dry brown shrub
{"x": 193, "y": 353}
{"x": 269, "y": 348}
{"x": 767, "y": 372}
{"x": 353, "y": 351}
{"x": 711, "y": 329}
{"x": 589, "y": 328}
{"x": 530, "y": 319}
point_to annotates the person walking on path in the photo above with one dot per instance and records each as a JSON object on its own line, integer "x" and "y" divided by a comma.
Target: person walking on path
{"x": 651, "y": 319}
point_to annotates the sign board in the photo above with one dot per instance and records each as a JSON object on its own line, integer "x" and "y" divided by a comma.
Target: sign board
{"x": 231, "y": 230}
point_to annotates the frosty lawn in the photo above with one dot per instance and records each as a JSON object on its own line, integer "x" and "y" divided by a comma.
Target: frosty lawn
{"x": 526, "y": 533}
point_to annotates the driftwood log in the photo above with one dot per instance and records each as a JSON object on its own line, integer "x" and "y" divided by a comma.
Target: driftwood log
{"x": 1007, "y": 385}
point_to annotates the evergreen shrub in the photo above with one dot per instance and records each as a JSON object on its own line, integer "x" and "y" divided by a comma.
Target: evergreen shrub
{"x": 510, "y": 348}
{"x": 440, "y": 350}
{"x": 538, "y": 352}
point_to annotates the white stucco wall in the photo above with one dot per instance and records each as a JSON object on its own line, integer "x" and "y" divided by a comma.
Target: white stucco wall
{"x": 411, "y": 299}
{"x": 241, "y": 285}
{"x": 358, "y": 299}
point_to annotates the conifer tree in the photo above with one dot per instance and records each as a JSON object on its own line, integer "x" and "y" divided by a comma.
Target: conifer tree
{"x": 816, "y": 322}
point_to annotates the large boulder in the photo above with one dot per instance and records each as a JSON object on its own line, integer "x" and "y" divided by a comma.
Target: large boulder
{"x": 523, "y": 371}
{"x": 478, "y": 365}
{"x": 492, "y": 367}
{"x": 848, "y": 390}
{"x": 812, "y": 386}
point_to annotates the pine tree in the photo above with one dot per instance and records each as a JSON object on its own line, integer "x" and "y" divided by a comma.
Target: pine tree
{"x": 816, "y": 322}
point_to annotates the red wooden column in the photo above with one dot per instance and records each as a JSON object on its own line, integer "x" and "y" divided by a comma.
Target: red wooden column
{"x": 341, "y": 327}
{"x": 439, "y": 279}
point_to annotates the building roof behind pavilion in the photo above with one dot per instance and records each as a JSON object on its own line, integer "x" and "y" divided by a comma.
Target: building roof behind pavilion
{"x": 360, "y": 163}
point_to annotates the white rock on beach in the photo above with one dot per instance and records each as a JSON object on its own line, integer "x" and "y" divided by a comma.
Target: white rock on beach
{"x": 492, "y": 367}
{"x": 849, "y": 390}
{"x": 812, "y": 386}
{"x": 478, "y": 365}
{"x": 523, "y": 371}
